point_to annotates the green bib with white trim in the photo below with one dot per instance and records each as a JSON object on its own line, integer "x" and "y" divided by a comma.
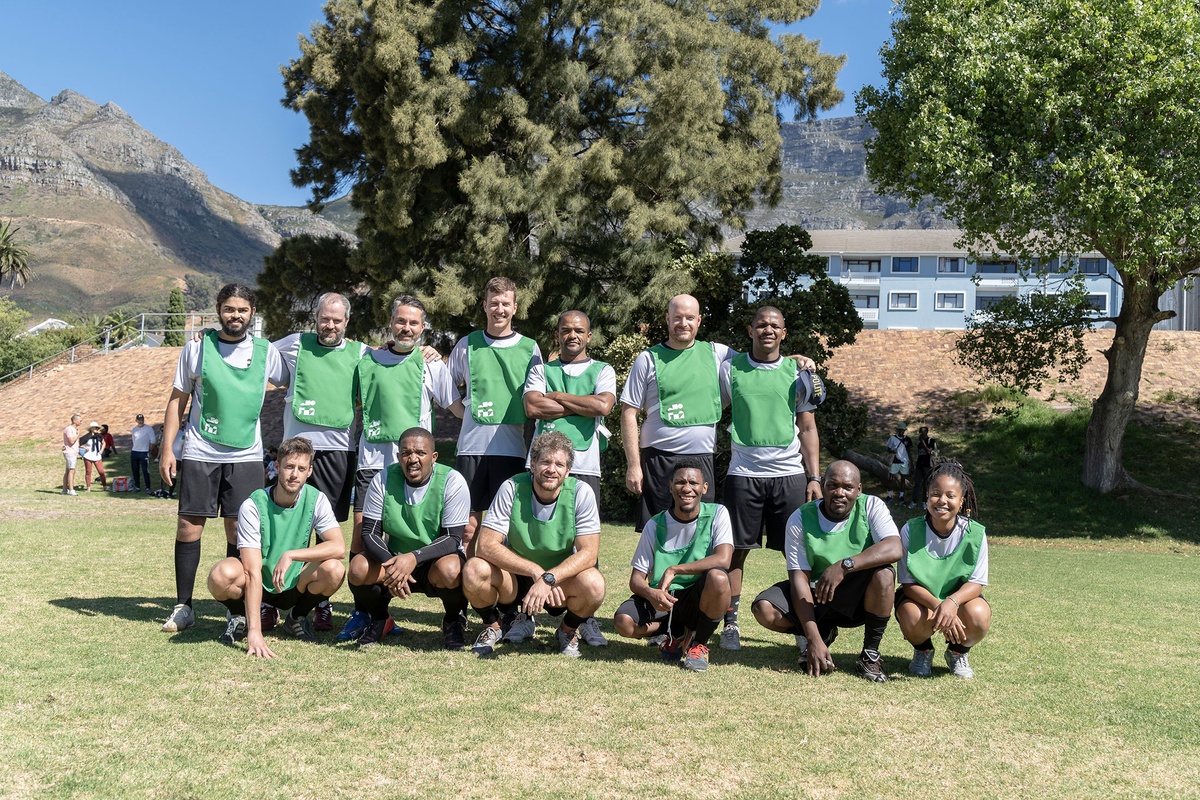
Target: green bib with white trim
{"x": 548, "y": 543}
{"x": 231, "y": 398}
{"x": 323, "y": 389}
{"x": 411, "y": 526}
{"x": 697, "y": 549}
{"x": 942, "y": 576}
{"x": 391, "y": 396}
{"x": 282, "y": 529}
{"x": 763, "y": 403}
{"x": 825, "y": 548}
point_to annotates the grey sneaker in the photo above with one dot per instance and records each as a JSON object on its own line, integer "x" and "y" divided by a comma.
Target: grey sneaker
{"x": 181, "y": 618}
{"x": 922, "y": 663}
{"x": 802, "y": 643}
{"x": 298, "y": 628}
{"x": 590, "y": 631}
{"x": 658, "y": 640}
{"x": 489, "y": 637}
{"x": 522, "y": 628}
{"x": 568, "y": 642}
{"x": 731, "y": 638}
{"x": 959, "y": 666}
{"x": 235, "y": 629}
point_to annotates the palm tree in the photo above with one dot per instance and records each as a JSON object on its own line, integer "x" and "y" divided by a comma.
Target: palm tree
{"x": 14, "y": 259}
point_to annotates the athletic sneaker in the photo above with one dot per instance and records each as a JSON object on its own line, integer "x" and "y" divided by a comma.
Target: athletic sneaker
{"x": 568, "y": 642}
{"x": 374, "y": 631}
{"x": 181, "y": 618}
{"x": 671, "y": 649}
{"x": 658, "y": 640}
{"x": 696, "y": 659}
{"x": 731, "y": 638}
{"x": 959, "y": 666}
{"x": 270, "y": 616}
{"x": 235, "y": 629}
{"x": 590, "y": 632}
{"x": 489, "y": 637}
{"x": 522, "y": 628}
{"x": 354, "y": 627}
{"x": 922, "y": 663}
{"x": 912, "y": 504}
{"x": 453, "y": 633}
{"x": 323, "y": 616}
{"x": 72, "y": 493}
{"x": 299, "y": 628}
{"x": 870, "y": 666}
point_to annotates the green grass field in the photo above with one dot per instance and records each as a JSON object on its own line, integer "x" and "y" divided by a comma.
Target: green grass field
{"x": 1087, "y": 686}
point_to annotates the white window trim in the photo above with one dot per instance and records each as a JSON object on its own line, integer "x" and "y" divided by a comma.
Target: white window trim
{"x": 892, "y": 266}
{"x": 941, "y": 266}
{"x": 938, "y": 307}
{"x": 916, "y": 301}
{"x": 1096, "y": 309}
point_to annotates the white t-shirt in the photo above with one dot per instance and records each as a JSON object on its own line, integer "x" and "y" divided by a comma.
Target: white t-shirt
{"x": 249, "y": 532}
{"x": 896, "y": 445}
{"x": 679, "y": 536}
{"x": 457, "y": 508}
{"x": 878, "y": 518}
{"x": 641, "y": 391}
{"x": 587, "y": 516}
{"x": 321, "y": 437}
{"x": 766, "y": 462}
{"x": 187, "y": 379}
{"x": 587, "y": 462}
{"x": 142, "y": 437}
{"x": 437, "y": 387}
{"x": 486, "y": 440}
{"x": 938, "y": 547}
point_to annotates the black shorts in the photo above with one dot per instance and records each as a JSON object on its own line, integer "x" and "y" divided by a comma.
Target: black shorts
{"x": 485, "y": 474}
{"x": 592, "y": 481}
{"x": 657, "y": 467}
{"x": 285, "y": 599}
{"x": 333, "y": 475}
{"x": 421, "y": 573}
{"x": 209, "y": 489}
{"x": 524, "y": 584}
{"x": 846, "y": 610}
{"x": 686, "y": 613}
{"x": 757, "y": 503}
{"x": 362, "y": 479}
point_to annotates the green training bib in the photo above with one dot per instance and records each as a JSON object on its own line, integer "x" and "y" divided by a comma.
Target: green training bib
{"x": 763, "y": 403}
{"x": 323, "y": 386}
{"x": 942, "y": 576}
{"x": 282, "y": 529}
{"x": 580, "y": 430}
{"x": 548, "y": 543}
{"x": 231, "y": 398}
{"x": 697, "y": 549}
{"x": 390, "y": 396}
{"x": 688, "y": 390}
{"x": 411, "y": 526}
{"x": 498, "y": 380}
{"x": 824, "y": 548}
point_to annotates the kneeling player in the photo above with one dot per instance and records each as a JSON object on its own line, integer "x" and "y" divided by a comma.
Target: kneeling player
{"x": 274, "y": 532}
{"x": 537, "y": 548}
{"x": 421, "y": 508}
{"x": 679, "y": 582}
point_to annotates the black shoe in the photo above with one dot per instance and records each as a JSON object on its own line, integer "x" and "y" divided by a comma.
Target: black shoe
{"x": 453, "y": 633}
{"x": 870, "y": 666}
{"x": 375, "y": 632}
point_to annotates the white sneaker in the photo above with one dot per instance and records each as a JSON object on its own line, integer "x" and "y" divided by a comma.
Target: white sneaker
{"x": 72, "y": 493}
{"x": 959, "y": 666}
{"x": 181, "y": 618}
{"x": 523, "y": 628}
{"x": 731, "y": 638}
{"x": 922, "y": 663}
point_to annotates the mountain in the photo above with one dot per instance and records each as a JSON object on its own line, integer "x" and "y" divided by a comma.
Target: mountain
{"x": 113, "y": 216}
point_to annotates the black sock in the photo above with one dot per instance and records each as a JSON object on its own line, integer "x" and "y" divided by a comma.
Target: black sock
{"x": 305, "y": 604}
{"x": 571, "y": 620}
{"x": 231, "y": 550}
{"x": 732, "y": 612}
{"x": 375, "y": 600}
{"x": 873, "y": 629}
{"x": 925, "y": 645}
{"x": 960, "y": 649}
{"x": 705, "y": 628}
{"x": 187, "y": 561}
{"x": 453, "y": 601}
{"x": 489, "y": 615}
{"x": 236, "y": 607}
{"x": 362, "y": 597}
{"x": 506, "y": 608}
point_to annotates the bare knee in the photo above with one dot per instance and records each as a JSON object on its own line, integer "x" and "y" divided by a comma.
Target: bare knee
{"x": 625, "y": 626}
{"x": 767, "y": 615}
{"x": 226, "y": 580}
{"x": 360, "y": 568}
{"x": 446, "y": 572}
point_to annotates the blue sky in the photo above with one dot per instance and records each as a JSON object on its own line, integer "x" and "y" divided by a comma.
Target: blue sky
{"x": 204, "y": 77}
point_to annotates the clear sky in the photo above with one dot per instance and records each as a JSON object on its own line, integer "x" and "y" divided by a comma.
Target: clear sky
{"x": 204, "y": 76}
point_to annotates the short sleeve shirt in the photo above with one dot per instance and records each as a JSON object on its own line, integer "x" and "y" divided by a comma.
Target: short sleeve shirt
{"x": 940, "y": 548}
{"x": 456, "y": 510}
{"x": 767, "y": 462}
{"x": 486, "y": 440}
{"x": 679, "y": 536}
{"x": 587, "y": 515}
{"x": 641, "y": 391}
{"x": 322, "y": 438}
{"x": 794, "y": 554}
{"x": 249, "y": 530}
{"x": 141, "y": 437}
{"x": 437, "y": 388}
{"x": 587, "y": 462}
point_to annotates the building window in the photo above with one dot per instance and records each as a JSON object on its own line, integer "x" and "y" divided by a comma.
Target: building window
{"x": 949, "y": 301}
{"x": 1099, "y": 302}
{"x": 984, "y": 302}
{"x": 865, "y": 300}
{"x": 997, "y": 268}
{"x": 902, "y": 301}
{"x": 905, "y": 264}
{"x": 1093, "y": 266}
{"x": 861, "y": 264}
{"x": 952, "y": 265}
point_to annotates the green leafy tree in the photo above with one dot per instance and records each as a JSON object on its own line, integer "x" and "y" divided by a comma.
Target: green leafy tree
{"x": 299, "y": 271}
{"x": 14, "y": 259}
{"x": 173, "y": 336}
{"x": 1055, "y": 126}
{"x": 564, "y": 144}
{"x": 200, "y": 292}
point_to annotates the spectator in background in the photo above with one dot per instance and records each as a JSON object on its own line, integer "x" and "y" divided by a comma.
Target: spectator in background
{"x": 141, "y": 440}
{"x": 70, "y": 435}
{"x": 270, "y": 466}
{"x": 91, "y": 445}
{"x": 898, "y": 471}
{"x": 926, "y": 450}
{"x": 110, "y": 446}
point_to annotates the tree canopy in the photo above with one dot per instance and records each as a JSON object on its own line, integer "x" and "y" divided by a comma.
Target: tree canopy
{"x": 565, "y": 144}
{"x": 14, "y": 258}
{"x": 1047, "y": 127}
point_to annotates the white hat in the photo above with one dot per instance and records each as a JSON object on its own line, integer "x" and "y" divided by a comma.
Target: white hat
{"x": 93, "y": 425}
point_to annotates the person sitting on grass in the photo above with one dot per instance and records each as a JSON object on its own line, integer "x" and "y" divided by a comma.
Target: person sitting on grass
{"x": 942, "y": 574}
{"x": 839, "y": 553}
{"x": 538, "y": 547}
{"x": 680, "y": 582}
{"x": 274, "y": 532}
{"x": 420, "y": 508}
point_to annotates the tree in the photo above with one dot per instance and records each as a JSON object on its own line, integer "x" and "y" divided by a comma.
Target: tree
{"x": 14, "y": 259}
{"x": 200, "y": 294}
{"x": 564, "y": 144}
{"x": 1048, "y": 127}
{"x": 299, "y": 271}
{"x": 173, "y": 335}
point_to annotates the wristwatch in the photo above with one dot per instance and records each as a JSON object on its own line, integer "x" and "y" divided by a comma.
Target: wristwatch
{"x": 548, "y": 577}
{"x": 812, "y": 478}
{"x": 847, "y": 564}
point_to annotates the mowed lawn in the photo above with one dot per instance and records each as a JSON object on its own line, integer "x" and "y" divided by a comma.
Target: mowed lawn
{"x": 1087, "y": 687}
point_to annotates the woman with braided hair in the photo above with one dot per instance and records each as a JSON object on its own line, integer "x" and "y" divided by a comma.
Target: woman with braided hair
{"x": 942, "y": 574}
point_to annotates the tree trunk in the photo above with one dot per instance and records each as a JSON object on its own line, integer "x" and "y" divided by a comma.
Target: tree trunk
{"x": 868, "y": 465}
{"x": 1103, "y": 467}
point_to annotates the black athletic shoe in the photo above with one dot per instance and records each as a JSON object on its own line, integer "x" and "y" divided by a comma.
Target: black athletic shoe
{"x": 375, "y": 632}
{"x": 453, "y": 633}
{"x": 870, "y": 666}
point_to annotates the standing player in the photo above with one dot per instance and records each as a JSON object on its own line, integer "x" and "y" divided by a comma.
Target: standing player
{"x": 413, "y": 518}
{"x": 278, "y": 563}
{"x": 679, "y": 581}
{"x": 775, "y": 445}
{"x": 490, "y": 368}
{"x": 225, "y": 374}
{"x": 573, "y": 394}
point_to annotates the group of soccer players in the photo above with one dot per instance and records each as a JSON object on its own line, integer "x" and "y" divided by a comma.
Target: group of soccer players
{"x": 513, "y": 531}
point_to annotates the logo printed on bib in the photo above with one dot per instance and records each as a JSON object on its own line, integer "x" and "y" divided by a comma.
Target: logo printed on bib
{"x": 675, "y": 412}
{"x": 485, "y": 410}
{"x": 211, "y": 424}
{"x": 374, "y": 428}
{"x": 308, "y": 408}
